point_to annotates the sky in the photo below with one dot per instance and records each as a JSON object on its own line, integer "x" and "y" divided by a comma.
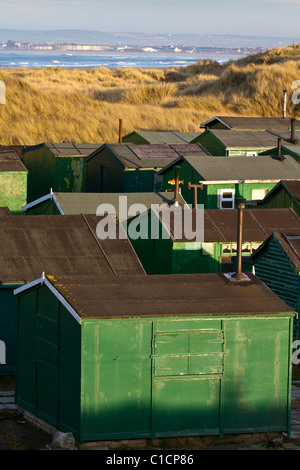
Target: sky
{"x": 238, "y": 17}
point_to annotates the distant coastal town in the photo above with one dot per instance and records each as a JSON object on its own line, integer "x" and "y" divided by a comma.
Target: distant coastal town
{"x": 12, "y": 45}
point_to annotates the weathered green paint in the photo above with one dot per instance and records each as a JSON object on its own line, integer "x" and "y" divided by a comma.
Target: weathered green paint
{"x": 217, "y": 148}
{"x": 105, "y": 173}
{"x": 209, "y": 196}
{"x": 163, "y": 255}
{"x": 152, "y": 377}
{"x": 48, "y": 171}
{"x": 280, "y": 198}
{"x": 274, "y": 267}
{"x": 13, "y": 190}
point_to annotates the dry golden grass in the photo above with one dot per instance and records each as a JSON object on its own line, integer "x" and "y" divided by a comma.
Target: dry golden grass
{"x": 77, "y": 105}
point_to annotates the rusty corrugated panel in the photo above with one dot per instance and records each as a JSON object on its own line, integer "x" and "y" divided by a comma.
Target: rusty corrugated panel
{"x": 168, "y": 295}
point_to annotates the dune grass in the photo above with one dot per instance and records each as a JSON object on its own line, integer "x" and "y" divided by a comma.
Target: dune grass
{"x": 77, "y": 105}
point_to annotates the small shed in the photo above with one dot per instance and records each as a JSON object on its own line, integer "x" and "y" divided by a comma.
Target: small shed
{"x": 60, "y": 166}
{"x": 277, "y": 264}
{"x": 66, "y": 245}
{"x": 223, "y": 179}
{"x": 13, "y": 181}
{"x": 126, "y": 357}
{"x": 246, "y": 123}
{"x": 286, "y": 193}
{"x": 176, "y": 249}
{"x": 87, "y": 203}
{"x": 159, "y": 137}
{"x": 132, "y": 167}
{"x": 220, "y": 142}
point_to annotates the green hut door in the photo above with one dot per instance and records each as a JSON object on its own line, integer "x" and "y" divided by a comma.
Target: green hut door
{"x": 187, "y": 370}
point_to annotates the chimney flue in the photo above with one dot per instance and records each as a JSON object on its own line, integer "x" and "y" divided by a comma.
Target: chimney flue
{"x": 293, "y": 139}
{"x": 240, "y": 206}
{"x": 284, "y": 104}
{"x": 176, "y": 190}
{"x": 120, "y": 130}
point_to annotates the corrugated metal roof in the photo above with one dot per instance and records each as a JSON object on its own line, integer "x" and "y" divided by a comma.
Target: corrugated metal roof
{"x": 237, "y": 139}
{"x": 62, "y": 245}
{"x": 61, "y": 149}
{"x": 220, "y": 225}
{"x": 166, "y": 295}
{"x": 4, "y": 211}
{"x": 87, "y": 203}
{"x": 163, "y": 137}
{"x": 263, "y": 167}
{"x": 242, "y": 122}
{"x": 9, "y": 161}
{"x": 147, "y": 155}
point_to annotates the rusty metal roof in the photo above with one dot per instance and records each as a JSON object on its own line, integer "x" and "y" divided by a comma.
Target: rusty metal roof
{"x": 9, "y": 161}
{"x": 166, "y": 295}
{"x": 64, "y": 245}
{"x": 248, "y": 123}
{"x": 220, "y": 225}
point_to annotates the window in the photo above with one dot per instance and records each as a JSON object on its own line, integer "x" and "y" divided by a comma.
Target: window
{"x": 259, "y": 194}
{"x": 226, "y": 198}
{"x": 251, "y": 154}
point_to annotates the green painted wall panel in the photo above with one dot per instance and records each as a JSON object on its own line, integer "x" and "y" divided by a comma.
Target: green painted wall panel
{"x": 8, "y": 328}
{"x": 41, "y": 166}
{"x": 116, "y": 378}
{"x": 13, "y": 190}
{"x": 256, "y": 374}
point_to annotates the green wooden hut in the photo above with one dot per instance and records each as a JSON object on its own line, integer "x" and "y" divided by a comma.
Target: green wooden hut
{"x": 286, "y": 193}
{"x": 277, "y": 264}
{"x": 66, "y": 244}
{"x": 247, "y": 123}
{"x": 60, "y": 166}
{"x": 159, "y": 137}
{"x": 13, "y": 181}
{"x": 87, "y": 203}
{"x": 126, "y": 357}
{"x": 220, "y": 142}
{"x": 122, "y": 168}
{"x": 171, "y": 247}
{"x": 224, "y": 179}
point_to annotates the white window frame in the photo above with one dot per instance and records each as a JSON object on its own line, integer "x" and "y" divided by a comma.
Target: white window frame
{"x": 222, "y": 199}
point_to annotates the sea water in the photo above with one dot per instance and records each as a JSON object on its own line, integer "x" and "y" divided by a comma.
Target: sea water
{"x": 108, "y": 60}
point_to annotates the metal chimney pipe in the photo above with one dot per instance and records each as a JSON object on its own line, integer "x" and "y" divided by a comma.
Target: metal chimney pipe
{"x": 176, "y": 190}
{"x": 293, "y": 139}
{"x": 240, "y": 206}
{"x": 279, "y": 147}
{"x": 120, "y": 130}
{"x": 284, "y": 104}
